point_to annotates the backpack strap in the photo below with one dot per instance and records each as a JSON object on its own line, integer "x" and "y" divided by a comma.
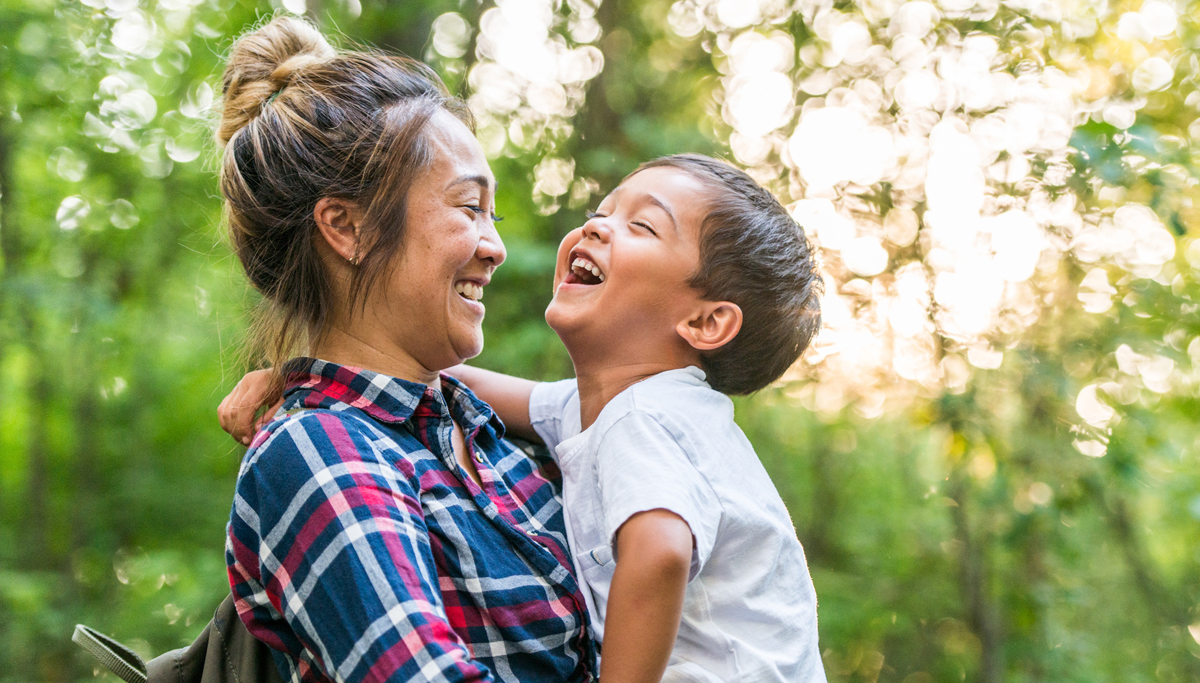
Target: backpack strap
{"x": 117, "y": 658}
{"x": 224, "y": 652}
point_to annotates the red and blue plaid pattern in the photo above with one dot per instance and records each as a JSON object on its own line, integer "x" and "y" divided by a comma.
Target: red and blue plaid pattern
{"x": 359, "y": 550}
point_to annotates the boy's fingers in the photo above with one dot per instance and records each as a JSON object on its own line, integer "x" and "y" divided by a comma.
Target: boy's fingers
{"x": 238, "y": 412}
{"x": 241, "y": 421}
{"x": 233, "y": 410}
{"x": 267, "y": 415}
{"x": 223, "y": 414}
{"x": 232, "y": 414}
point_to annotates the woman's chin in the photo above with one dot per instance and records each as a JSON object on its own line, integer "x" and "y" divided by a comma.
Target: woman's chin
{"x": 467, "y": 346}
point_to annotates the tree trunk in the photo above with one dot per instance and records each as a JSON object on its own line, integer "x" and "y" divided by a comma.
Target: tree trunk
{"x": 34, "y": 525}
{"x": 35, "y": 546}
{"x": 10, "y": 240}
{"x": 86, "y": 472}
{"x": 1170, "y": 608}
{"x": 597, "y": 125}
{"x": 975, "y": 579}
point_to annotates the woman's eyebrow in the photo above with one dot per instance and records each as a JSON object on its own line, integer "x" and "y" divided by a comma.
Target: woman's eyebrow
{"x": 482, "y": 181}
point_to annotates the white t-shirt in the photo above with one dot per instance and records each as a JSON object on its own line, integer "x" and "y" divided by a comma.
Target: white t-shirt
{"x": 670, "y": 442}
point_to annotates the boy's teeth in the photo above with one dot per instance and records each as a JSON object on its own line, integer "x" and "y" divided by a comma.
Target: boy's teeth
{"x": 586, "y": 265}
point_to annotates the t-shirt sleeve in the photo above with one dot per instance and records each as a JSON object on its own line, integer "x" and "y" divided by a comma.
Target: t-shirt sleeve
{"x": 547, "y": 406}
{"x": 642, "y": 467}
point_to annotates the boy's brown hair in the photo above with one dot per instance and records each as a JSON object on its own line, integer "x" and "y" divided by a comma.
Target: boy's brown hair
{"x": 753, "y": 254}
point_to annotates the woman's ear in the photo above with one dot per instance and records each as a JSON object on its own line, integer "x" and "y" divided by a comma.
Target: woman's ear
{"x": 712, "y": 326}
{"x": 338, "y": 221}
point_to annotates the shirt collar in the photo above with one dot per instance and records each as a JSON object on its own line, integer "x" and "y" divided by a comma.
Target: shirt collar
{"x": 313, "y": 383}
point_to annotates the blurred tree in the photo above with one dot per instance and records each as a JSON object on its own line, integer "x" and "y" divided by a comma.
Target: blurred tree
{"x": 990, "y": 455}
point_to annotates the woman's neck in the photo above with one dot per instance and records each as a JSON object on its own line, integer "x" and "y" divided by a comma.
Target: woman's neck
{"x": 345, "y": 348}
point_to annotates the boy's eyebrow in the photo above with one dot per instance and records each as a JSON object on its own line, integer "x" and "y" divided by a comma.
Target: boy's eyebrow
{"x": 662, "y": 205}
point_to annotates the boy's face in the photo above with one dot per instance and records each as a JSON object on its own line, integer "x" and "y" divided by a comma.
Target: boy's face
{"x": 621, "y": 281}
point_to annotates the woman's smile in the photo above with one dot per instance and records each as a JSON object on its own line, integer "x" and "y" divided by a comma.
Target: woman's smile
{"x": 468, "y": 292}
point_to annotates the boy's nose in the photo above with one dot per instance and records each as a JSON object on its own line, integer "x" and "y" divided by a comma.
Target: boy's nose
{"x": 598, "y": 229}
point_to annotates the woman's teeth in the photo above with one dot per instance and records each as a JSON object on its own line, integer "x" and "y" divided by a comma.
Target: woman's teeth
{"x": 469, "y": 290}
{"x": 582, "y": 265}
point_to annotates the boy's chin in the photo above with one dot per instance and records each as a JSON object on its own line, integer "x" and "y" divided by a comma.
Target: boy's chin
{"x": 570, "y": 325}
{"x": 557, "y": 318}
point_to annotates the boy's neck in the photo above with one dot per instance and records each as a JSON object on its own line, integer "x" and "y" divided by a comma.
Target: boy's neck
{"x": 600, "y": 384}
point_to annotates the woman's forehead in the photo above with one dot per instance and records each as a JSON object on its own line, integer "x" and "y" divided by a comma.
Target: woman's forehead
{"x": 457, "y": 155}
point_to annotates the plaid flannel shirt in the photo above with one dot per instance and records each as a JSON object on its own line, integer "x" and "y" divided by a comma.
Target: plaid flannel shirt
{"x": 358, "y": 550}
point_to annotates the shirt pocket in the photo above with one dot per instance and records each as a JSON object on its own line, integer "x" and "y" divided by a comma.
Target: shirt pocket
{"x": 597, "y": 567}
{"x": 688, "y": 672}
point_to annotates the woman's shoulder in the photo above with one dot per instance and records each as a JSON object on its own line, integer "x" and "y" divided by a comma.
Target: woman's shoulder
{"x": 307, "y": 441}
{"x": 306, "y": 423}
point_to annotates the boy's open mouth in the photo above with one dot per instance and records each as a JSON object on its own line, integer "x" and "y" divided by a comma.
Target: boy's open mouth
{"x": 584, "y": 272}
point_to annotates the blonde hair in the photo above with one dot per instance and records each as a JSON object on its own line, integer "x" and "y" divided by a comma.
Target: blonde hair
{"x": 300, "y": 121}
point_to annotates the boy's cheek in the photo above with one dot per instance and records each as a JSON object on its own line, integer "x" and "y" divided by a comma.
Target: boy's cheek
{"x": 564, "y": 247}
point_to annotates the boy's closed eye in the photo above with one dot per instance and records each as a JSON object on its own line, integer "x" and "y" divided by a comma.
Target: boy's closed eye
{"x": 639, "y": 223}
{"x": 646, "y": 226}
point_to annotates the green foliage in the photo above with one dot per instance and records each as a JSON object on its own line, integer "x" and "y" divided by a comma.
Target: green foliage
{"x": 958, "y": 536}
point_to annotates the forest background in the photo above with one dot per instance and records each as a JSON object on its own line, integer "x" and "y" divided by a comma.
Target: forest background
{"x": 990, "y": 454}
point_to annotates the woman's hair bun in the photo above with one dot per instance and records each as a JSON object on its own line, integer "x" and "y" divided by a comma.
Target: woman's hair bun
{"x": 263, "y": 62}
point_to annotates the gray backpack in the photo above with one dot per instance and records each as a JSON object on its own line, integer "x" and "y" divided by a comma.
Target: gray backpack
{"x": 225, "y": 652}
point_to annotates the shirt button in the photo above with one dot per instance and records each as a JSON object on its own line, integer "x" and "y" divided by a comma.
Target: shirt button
{"x": 478, "y": 455}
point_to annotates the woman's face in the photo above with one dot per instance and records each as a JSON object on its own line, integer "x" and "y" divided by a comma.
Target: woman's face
{"x": 430, "y": 303}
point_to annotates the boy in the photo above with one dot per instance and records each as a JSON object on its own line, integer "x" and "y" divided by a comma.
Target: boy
{"x": 689, "y": 282}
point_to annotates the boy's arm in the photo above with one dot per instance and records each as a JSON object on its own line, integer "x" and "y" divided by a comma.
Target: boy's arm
{"x": 507, "y": 395}
{"x": 654, "y": 554}
{"x": 239, "y": 411}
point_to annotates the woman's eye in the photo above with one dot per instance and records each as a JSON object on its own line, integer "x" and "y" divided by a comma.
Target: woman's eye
{"x": 592, "y": 214}
{"x": 479, "y": 210}
{"x": 646, "y": 226}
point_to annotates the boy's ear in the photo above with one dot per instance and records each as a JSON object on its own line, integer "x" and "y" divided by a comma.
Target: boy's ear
{"x": 711, "y": 326}
{"x": 338, "y": 220}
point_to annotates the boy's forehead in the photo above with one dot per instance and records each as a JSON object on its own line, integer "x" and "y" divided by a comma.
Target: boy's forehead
{"x": 664, "y": 180}
{"x": 672, "y": 188}
{"x": 681, "y": 195}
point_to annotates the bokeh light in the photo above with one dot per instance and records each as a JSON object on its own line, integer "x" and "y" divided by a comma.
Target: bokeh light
{"x": 932, "y": 167}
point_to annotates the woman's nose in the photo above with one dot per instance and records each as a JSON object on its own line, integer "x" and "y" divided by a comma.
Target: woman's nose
{"x": 491, "y": 247}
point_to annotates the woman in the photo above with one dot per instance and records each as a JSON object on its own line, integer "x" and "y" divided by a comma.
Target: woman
{"x": 384, "y": 530}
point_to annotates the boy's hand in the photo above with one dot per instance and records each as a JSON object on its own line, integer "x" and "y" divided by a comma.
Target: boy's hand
{"x": 654, "y": 551}
{"x": 239, "y": 414}
{"x": 507, "y": 395}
